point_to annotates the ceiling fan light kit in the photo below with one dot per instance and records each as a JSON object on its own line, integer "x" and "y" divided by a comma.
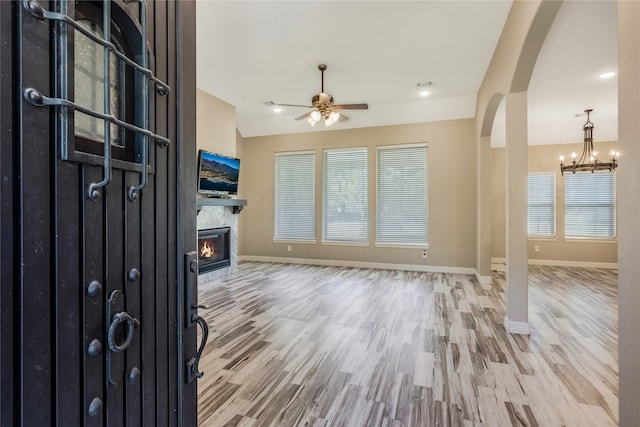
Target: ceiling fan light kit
{"x": 323, "y": 108}
{"x": 588, "y": 162}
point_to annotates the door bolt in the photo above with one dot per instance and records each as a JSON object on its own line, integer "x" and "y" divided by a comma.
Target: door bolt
{"x": 94, "y": 288}
{"x": 95, "y": 407}
{"x": 134, "y": 275}
{"x": 134, "y": 374}
{"x": 95, "y": 348}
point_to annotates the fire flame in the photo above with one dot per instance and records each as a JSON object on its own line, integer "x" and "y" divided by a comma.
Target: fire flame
{"x": 206, "y": 251}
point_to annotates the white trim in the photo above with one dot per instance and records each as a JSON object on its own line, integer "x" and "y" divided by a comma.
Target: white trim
{"x": 296, "y": 242}
{"x": 400, "y": 245}
{"x": 563, "y": 263}
{"x": 359, "y": 264}
{"x": 575, "y": 239}
{"x": 337, "y": 150}
{"x": 584, "y": 264}
{"x": 483, "y": 280}
{"x": 293, "y": 153}
{"x": 343, "y": 243}
{"x": 409, "y": 145}
{"x": 520, "y": 328}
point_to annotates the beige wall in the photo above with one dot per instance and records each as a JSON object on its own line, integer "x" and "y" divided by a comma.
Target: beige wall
{"x": 545, "y": 158}
{"x": 216, "y": 125}
{"x": 451, "y": 193}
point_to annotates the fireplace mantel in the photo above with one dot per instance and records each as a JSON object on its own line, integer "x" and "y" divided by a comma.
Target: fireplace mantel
{"x": 236, "y": 204}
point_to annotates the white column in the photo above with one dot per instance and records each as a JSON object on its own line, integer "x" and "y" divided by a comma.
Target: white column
{"x": 628, "y": 188}
{"x": 483, "y": 211}
{"x": 517, "y": 317}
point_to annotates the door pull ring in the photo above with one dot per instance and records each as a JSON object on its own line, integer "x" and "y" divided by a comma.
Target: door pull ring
{"x": 131, "y": 324}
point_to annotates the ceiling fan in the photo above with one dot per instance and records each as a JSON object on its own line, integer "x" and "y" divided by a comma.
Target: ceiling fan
{"x": 323, "y": 106}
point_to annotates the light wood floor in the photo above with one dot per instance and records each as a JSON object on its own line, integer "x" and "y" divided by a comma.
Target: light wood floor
{"x": 295, "y": 345}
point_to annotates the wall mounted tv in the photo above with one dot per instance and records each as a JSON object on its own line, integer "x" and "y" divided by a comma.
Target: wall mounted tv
{"x": 217, "y": 174}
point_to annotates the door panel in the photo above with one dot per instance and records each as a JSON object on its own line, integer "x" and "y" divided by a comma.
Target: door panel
{"x": 76, "y": 272}
{"x": 133, "y": 364}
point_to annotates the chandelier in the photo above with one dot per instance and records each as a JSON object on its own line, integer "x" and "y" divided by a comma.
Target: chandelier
{"x": 588, "y": 162}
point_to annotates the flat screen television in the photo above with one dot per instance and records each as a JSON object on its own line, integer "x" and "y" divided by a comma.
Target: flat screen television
{"x": 217, "y": 174}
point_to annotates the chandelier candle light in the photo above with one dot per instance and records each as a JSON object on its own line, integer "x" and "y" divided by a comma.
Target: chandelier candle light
{"x": 588, "y": 162}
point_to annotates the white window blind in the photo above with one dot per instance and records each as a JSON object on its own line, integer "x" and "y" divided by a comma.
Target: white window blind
{"x": 295, "y": 208}
{"x": 402, "y": 187}
{"x": 590, "y": 205}
{"x": 541, "y": 208}
{"x": 345, "y": 196}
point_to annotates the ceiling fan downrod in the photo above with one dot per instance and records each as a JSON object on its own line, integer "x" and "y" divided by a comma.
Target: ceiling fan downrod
{"x": 322, "y": 67}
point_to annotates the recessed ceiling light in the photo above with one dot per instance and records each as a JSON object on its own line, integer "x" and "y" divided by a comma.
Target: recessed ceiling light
{"x": 607, "y": 75}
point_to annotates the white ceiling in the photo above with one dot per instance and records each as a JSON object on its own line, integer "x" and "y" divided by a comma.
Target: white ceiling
{"x": 581, "y": 45}
{"x": 249, "y": 53}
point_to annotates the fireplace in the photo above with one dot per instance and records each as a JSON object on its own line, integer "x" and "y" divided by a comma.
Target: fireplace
{"x": 213, "y": 249}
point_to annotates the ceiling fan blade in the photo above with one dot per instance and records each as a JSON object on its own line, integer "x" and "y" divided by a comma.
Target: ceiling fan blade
{"x": 351, "y": 107}
{"x": 295, "y": 105}
{"x": 304, "y": 116}
{"x": 343, "y": 118}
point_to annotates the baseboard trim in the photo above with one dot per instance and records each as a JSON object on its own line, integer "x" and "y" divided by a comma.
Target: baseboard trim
{"x": 519, "y": 328}
{"x": 359, "y": 264}
{"x": 483, "y": 280}
{"x": 561, "y": 263}
{"x": 584, "y": 264}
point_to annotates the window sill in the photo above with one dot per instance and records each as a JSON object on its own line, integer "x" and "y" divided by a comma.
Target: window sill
{"x": 589, "y": 240}
{"x": 543, "y": 238}
{"x": 402, "y": 245}
{"x": 297, "y": 242}
{"x": 341, "y": 243}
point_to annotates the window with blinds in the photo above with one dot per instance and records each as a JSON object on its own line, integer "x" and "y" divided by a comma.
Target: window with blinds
{"x": 402, "y": 195}
{"x": 590, "y": 205}
{"x": 295, "y": 207}
{"x": 345, "y": 196}
{"x": 541, "y": 207}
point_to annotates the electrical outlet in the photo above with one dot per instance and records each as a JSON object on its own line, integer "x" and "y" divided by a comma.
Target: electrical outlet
{"x": 289, "y": 248}
{"x": 424, "y": 254}
{"x": 536, "y": 248}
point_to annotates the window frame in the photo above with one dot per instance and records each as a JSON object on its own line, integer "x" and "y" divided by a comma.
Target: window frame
{"x": 613, "y": 206}
{"x": 554, "y": 207}
{"x": 127, "y": 37}
{"x": 286, "y": 239}
{"x": 331, "y": 239}
{"x": 385, "y": 242}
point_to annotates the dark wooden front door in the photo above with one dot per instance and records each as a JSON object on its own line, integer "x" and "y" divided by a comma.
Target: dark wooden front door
{"x": 97, "y": 222}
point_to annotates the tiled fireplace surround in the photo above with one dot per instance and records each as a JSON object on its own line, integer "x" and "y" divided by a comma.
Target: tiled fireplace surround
{"x": 216, "y": 217}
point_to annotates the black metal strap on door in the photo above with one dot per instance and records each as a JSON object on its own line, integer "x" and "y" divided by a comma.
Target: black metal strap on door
{"x": 36, "y": 98}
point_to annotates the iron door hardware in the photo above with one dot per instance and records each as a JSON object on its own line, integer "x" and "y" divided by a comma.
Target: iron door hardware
{"x": 39, "y": 12}
{"x": 190, "y": 287}
{"x": 36, "y": 98}
{"x": 191, "y": 312}
{"x": 131, "y": 323}
{"x": 192, "y": 365}
{"x": 116, "y": 319}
